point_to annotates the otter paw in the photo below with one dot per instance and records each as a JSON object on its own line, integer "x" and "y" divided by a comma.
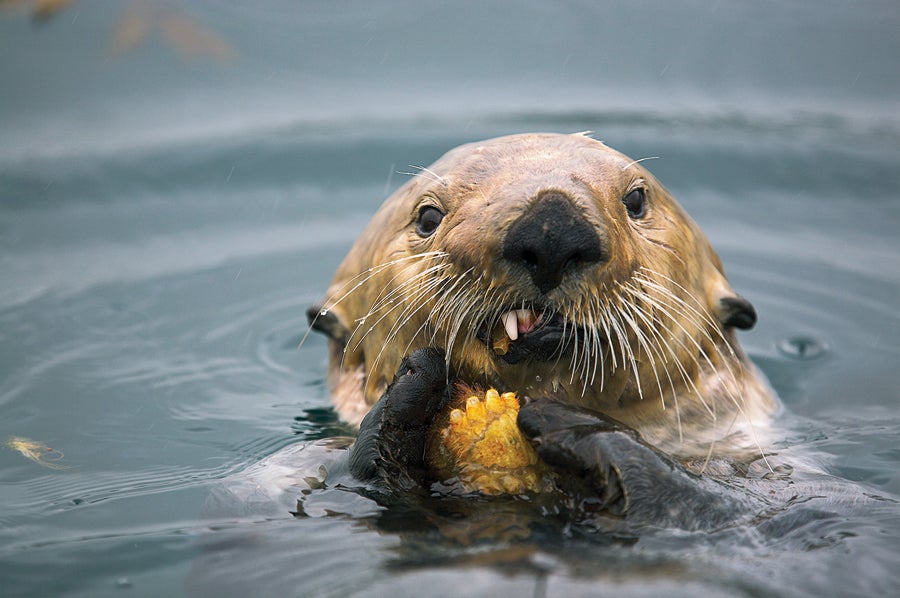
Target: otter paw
{"x": 476, "y": 446}
{"x": 391, "y": 440}
{"x": 601, "y": 461}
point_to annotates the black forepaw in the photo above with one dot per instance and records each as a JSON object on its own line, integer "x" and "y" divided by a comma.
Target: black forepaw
{"x": 390, "y": 447}
{"x": 588, "y": 451}
{"x": 609, "y": 469}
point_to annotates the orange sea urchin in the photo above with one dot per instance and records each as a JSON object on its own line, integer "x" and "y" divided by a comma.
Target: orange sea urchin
{"x": 477, "y": 447}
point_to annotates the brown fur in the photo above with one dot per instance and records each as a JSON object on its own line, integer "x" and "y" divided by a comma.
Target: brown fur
{"x": 664, "y": 359}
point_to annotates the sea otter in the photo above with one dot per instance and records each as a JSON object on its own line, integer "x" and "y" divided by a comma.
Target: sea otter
{"x": 555, "y": 267}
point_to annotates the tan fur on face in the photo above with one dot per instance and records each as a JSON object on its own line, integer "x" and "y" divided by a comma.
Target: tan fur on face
{"x": 650, "y": 349}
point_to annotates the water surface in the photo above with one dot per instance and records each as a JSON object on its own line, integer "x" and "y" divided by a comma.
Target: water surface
{"x": 167, "y": 217}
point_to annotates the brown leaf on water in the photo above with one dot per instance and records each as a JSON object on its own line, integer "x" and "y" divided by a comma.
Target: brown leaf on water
{"x": 41, "y": 10}
{"x": 179, "y": 32}
{"x": 44, "y": 10}
{"x": 36, "y": 451}
{"x": 131, "y": 30}
{"x": 142, "y": 18}
{"x": 189, "y": 38}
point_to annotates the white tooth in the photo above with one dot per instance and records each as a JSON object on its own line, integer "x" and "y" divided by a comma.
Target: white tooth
{"x": 512, "y": 327}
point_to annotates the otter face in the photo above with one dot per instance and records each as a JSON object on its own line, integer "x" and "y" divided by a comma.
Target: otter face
{"x": 547, "y": 264}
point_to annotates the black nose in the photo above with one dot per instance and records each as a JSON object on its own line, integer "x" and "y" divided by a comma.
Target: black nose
{"x": 551, "y": 240}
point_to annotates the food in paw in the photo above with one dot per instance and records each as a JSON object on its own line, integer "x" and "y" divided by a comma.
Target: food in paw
{"x": 476, "y": 446}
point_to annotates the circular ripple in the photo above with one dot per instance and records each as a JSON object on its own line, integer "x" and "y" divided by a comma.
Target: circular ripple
{"x": 803, "y": 348}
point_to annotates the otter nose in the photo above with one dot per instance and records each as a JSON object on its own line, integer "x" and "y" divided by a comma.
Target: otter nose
{"x": 551, "y": 240}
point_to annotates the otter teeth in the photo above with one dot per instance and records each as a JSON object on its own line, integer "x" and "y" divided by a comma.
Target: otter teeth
{"x": 511, "y": 324}
{"x": 516, "y": 320}
{"x": 526, "y": 319}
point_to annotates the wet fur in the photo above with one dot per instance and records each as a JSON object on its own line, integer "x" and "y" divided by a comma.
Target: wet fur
{"x": 651, "y": 340}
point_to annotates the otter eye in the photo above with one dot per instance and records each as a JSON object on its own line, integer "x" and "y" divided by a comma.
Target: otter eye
{"x": 635, "y": 203}
{"x": 429, "y": 219}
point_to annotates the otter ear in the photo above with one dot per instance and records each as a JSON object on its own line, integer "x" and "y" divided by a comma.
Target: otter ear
{"x": 328, "y": 323}
{"x": 736, "y": 311}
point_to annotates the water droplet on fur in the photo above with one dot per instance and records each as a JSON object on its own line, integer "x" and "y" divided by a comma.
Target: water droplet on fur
{"x": 804, "y": 348}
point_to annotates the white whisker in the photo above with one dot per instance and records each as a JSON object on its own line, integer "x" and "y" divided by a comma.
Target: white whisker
{"x": 633, "y": 162}
{"x": 426, "y": 174}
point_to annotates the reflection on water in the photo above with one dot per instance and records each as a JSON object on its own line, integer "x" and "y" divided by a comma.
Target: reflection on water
{"x": 164, "y": 226}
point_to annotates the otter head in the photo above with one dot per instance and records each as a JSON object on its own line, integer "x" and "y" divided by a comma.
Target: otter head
{"x": 546, "y": 264}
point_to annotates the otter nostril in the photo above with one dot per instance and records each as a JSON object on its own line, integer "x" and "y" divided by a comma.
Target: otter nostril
{"x": 551, "y": 239}
{"x": 573, "y": 261}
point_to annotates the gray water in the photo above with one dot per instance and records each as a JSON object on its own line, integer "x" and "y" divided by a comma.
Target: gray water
{"x": 167, "y": 215}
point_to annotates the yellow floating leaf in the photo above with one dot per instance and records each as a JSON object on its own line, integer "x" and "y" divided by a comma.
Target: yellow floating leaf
{"x": 36, "y": 451}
